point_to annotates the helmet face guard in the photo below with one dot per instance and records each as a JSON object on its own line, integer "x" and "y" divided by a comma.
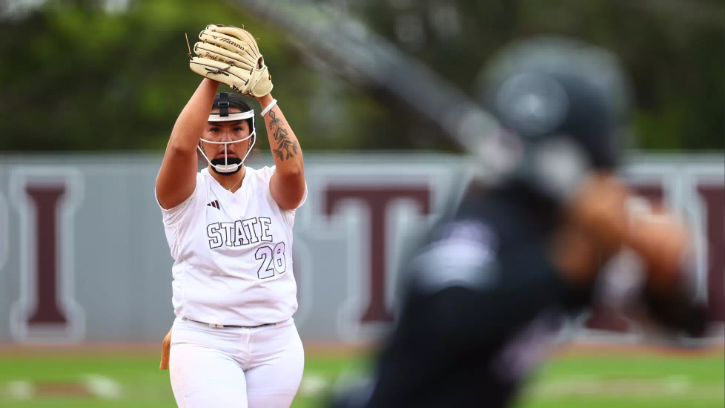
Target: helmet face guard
{"x": 227, "y": 165}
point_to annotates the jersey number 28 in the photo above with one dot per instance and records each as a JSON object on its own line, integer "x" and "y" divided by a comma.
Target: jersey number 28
{"x": 273, "y": 259}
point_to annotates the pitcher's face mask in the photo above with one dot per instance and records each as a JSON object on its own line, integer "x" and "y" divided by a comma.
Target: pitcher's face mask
{"x": 228, "y": 165}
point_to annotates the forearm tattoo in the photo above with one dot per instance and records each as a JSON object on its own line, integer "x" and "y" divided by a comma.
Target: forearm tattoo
{"x": 286, "y": 148}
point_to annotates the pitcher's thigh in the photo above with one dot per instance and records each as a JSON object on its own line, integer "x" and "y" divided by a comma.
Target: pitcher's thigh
{"x": 274, "y": 384}
{"x": 202, "y": 377}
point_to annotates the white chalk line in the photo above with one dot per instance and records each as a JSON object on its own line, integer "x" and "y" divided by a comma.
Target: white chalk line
{"x": 20, "y": 390}
{"x": 313, "y": 385}
{"x": 102, "y": 386}
{"x": 666, "y": 387}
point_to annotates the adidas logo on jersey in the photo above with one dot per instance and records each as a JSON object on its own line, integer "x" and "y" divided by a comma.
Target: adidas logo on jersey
{"x": 214, "y": 204}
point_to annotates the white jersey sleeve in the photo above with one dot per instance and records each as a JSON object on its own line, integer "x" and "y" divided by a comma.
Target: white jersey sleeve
{"x": 176, "y": 218}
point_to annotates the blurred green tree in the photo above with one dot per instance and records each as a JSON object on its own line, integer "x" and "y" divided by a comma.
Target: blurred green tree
{"x": 76, "y": 77}
{"x": 113, "y": 74}
{"x": 672, "y": 49}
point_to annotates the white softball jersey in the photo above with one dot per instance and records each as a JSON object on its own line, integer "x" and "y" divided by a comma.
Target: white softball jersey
{"x": 232, "y": 253}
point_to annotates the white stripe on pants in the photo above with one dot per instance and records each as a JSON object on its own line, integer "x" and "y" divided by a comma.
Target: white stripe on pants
{"x": 235, "y": 367}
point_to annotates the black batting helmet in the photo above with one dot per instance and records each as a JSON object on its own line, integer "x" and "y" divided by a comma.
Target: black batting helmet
{"x": 565, "y": 106}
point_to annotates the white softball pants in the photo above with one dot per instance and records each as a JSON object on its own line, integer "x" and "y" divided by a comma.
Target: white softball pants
{"x": 235, "y": 367}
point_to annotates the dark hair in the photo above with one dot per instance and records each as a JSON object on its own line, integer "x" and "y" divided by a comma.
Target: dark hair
{"x": 235, "y": 100}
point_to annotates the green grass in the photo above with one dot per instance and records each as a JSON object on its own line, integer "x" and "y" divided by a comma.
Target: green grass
{"x": 632, "y": 382}
{"x": 592, "y": 382}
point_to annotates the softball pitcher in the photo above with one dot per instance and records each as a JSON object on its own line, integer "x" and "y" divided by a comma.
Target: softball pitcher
{"x": 229, "y": 227}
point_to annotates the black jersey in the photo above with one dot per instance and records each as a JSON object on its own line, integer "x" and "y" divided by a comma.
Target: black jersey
{"x": 482, "y": 302}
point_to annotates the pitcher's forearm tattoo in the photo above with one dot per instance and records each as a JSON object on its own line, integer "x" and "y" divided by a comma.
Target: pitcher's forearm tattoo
{"x": 286, "y": 148}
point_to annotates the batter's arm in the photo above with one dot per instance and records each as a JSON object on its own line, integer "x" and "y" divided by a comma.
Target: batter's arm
{"x": 660, "y": 240}
{"x": 670, "y": 291}
{"x": 176, "y": 180}
{"x": 288, "y": 181}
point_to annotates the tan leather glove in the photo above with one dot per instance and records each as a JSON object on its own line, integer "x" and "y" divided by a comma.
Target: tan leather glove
{"x": 230, "y": 55}
{"x": 165, "y": 352}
